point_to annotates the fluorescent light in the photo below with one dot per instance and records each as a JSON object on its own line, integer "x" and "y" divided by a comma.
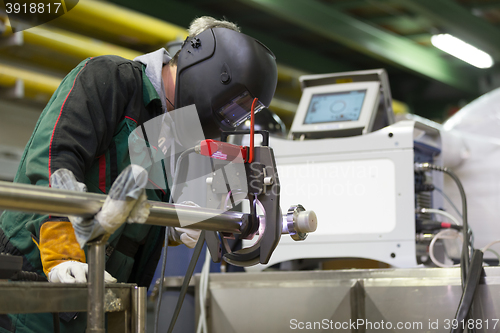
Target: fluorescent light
{"x": 462, "y": 50}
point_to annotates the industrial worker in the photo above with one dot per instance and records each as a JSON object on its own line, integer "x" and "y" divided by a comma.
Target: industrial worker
{"x": 84, "y": 131}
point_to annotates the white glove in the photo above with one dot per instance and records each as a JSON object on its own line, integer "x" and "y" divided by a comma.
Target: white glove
{"x": 74, "y": 272}
{"x": 141, "y": 210}
{"x": 187, "y": 236}
{"x": 126, "y": 201}
{"x": 125, "y": 194}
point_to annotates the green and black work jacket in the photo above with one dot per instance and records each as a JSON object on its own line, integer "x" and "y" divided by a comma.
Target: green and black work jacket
{"x": 85, "y": 128}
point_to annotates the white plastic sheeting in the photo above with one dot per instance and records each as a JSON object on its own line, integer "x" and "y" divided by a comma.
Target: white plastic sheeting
{"x": 471, "y": 148}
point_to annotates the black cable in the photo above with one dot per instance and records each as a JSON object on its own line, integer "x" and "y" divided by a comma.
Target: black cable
{"x": 55, "y": 320}
{"x": 473, "y": 277}
{"x": 167, "y": 230}
{"x": 162, "y": 277}
{"x": 447, "y": 198}
{"x": 465, "y": 259}
{"x": 187, "y": 278}
{"x": 471, "y": 236}
{"x": 28, "y": 276}
{"x": 465, "y": 248}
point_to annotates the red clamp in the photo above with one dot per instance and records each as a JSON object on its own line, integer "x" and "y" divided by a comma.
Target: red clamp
{"x": 223, "y": 151}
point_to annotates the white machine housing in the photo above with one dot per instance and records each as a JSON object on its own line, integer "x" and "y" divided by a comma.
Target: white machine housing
{"x": 362, "y": 190}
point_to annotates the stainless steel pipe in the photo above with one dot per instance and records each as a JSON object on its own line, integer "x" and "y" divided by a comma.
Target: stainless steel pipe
{"x": 96, "y": 259}
{"x": 139, "y": 310}
{"x": 44, "y": 200}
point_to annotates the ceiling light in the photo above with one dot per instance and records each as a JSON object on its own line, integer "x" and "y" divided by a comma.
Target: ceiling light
{"x": 462, "y": 50}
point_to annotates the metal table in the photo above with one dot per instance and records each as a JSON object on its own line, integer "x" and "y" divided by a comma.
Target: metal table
{"x": 125, "y": 303}
{"x": 423, "y": 299}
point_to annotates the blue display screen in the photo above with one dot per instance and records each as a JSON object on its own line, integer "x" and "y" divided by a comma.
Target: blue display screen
{"x": 333, "y": 107}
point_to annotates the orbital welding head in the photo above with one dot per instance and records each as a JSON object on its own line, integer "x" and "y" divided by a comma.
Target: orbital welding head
{"x": 221, "y": 71}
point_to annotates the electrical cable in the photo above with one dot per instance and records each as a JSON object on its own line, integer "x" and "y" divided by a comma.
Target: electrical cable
{"x": 252, "y": 122}
{"x": 187, "y": 278}
{"x": 451, "y": 217}
{"x": 448, "y": 215}
{"x": 495, "y": 253}
{"x": 176, "y": 173}
{"x": 468, "y": 284}
{"x": 447, "y": 198}
{"x": 162, "y": 277}
{"x": 202, "y": 293}
{"x": 55, "y": 320}
{"x": 443, "y": 234}
{"x": 27, "y": 276}
{"x": 486, "y": 248}
{"x": 465, "y": 260}
{"x": 473, "y": 277}
{"x": 440, "y": 212}
{"x": 165, "y": 245}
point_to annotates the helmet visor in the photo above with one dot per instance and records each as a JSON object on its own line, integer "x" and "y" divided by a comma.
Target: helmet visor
{"x": 238, "y": 109}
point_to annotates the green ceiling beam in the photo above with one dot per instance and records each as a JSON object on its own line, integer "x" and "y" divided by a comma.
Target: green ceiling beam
{"x": 330, "y": 23}
{"x": 460, "y": 22}
{"x": 351, "y": 4}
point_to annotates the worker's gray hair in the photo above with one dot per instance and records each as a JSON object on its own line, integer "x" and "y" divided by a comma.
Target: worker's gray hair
{"x": 207, "y": 22}
{"x": 201, "y": 24}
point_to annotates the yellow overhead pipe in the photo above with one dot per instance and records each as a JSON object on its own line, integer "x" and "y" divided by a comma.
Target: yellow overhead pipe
{"x": 128, "y": 24}
{"x": 36, "y": 86}
{"x": 400, "y": 107}
{"x": 73, "y": 44}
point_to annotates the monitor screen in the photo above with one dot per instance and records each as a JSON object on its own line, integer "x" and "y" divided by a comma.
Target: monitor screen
{"x": 334, "y": 107}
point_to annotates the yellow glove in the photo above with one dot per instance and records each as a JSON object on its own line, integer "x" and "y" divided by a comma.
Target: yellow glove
{"x": 58, "y": 244}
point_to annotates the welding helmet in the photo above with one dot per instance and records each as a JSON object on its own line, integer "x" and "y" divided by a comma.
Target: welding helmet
{"x": 221, "y": 71}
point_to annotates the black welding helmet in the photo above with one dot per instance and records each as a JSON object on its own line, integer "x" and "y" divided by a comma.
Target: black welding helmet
{"x": 221, "y": 71}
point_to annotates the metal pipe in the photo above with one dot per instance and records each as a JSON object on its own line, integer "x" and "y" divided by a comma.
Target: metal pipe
{"x": 72, "y": 44}
{"x": 43, "y": 200}
{"x": 125, "y": 24}
{"x": 95, "y": 306}
{"x": 34, "y": 83}
{"x": 139, "y": 309}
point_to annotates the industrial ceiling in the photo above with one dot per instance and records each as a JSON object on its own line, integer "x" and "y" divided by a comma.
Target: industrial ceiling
{"x": 307, "y": 36}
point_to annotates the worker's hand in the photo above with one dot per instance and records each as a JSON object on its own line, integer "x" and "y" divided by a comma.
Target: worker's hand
{"x": 126, "y": 201}
{"x": 64, "y": 179}
{"x": 186, "y": 236}
{"x": 74, "y": 272}
{"x": 140, "y": 211}
{"x": 125, "y": 193}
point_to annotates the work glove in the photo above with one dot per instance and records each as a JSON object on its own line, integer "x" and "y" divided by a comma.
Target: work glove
{"x": 186, "y": 236}
{"x": 74, "y": 272}
{"x": 126, "y": 202}
{"x": 62, "y": 241}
